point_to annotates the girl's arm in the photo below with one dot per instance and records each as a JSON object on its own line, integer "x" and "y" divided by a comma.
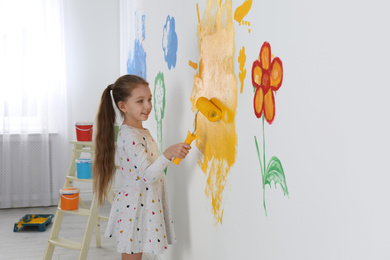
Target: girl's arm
{"x": 138, "y": 159}
{"x": 179, "y": 150}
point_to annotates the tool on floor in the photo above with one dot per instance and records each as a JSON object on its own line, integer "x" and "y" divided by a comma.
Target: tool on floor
{"x": 210, "y": 111}
{"x": 39, "y": 220}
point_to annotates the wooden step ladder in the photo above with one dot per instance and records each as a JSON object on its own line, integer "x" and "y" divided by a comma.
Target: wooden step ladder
{"x": 92, "y": 212}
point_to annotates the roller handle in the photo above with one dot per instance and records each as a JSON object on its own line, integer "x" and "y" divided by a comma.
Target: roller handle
{"x": 189, "y": 139}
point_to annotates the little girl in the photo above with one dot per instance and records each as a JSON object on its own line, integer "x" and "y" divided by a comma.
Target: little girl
{"x": 140, "y": 219}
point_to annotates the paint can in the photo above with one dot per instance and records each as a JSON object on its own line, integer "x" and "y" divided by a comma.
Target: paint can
{"x": 84, "y": 131}
{"x": 69, "y": 198}
{"x": 84, "y": 168}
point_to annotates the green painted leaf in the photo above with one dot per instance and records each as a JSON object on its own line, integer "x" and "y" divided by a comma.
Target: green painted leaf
{"x": 275, "y": 173}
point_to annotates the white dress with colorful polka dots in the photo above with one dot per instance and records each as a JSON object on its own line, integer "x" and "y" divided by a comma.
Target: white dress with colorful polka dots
{"x": 140, "y": 219}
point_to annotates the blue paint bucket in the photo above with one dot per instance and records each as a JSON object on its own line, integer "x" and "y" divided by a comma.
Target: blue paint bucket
{"x": 84, "y": 168}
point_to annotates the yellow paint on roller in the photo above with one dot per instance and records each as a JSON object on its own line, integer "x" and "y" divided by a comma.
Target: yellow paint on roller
{"x": 208, "y": 109}
{"x": 216, "y": 81}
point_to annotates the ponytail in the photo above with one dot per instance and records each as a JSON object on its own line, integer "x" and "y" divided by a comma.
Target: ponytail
{"x": 104, "y": 161}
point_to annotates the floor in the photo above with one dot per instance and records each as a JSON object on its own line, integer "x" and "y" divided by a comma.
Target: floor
{"x": 30, "y": 243}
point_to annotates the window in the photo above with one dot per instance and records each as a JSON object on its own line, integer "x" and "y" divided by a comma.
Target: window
{"x": 32, "y": 67}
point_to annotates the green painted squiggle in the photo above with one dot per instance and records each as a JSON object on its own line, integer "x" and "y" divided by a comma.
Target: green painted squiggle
{"x": 159, "y": 107}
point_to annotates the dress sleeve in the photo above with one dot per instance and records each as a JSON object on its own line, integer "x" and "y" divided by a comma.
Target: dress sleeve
{"x": 136, "y": 150}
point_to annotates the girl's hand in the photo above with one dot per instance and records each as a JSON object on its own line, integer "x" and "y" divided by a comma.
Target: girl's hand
{"x": 179, "y": 150}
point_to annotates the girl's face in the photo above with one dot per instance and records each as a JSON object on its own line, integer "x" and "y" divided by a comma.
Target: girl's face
{"x": 137, "y": 107}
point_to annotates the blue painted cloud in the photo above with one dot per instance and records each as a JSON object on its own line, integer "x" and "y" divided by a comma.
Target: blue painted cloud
{"x": 136, "y": 62}
{"x": 169, "y": 42}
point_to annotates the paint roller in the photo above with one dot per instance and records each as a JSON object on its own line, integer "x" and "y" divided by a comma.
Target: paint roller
{"x": 210, "y": 111}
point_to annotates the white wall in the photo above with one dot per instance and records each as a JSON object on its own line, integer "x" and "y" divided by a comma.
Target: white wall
{"x": 92, "y": 54}
{"x": 92, "y": 59}
{"x": 330, "y": 132}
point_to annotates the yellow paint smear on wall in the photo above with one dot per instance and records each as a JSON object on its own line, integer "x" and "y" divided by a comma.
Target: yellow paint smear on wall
{"x": 242, "y": 73}
{"x": 242, "y": 11}
{"x": 216, "y": 81}
{"x": 193, "y": 64}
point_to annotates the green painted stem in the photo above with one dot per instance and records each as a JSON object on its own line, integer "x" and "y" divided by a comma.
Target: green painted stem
{"x": 159, "y": 139}
{"x": 263, "y": 170}
{"x": 159, "y": 136}
{"x": 265, "y": 173}
{"x": 258, "y": 155}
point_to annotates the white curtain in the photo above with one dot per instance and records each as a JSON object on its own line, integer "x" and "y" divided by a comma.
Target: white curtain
{"x": 32, "y": 102}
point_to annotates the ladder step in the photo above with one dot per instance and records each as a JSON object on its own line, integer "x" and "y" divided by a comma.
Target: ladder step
{"x": 103, "y": 218}
{"x": 74, "y": 178}
{"x": 79, "y": 211}
{"x": 65, "y": 243}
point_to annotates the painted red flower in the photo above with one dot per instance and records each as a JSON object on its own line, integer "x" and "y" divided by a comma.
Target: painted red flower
{"x": 267, "y": 77}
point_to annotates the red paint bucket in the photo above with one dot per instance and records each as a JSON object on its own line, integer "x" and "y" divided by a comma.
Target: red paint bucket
{"x": 84, "y": 131}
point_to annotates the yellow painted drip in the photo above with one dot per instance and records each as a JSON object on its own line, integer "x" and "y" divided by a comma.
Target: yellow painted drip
{"x": 242, "y": 10}
{"x": 193, "y": 65}
{"x": 197, "y": 10}
{"x": 242, "y": 73}
{"x": 216, "y": 81}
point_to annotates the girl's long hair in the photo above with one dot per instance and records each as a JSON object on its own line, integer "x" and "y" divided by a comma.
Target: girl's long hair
{"x": 104, "y": 162}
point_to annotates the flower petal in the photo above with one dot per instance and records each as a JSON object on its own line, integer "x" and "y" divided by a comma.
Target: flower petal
{"x": 269, "y": 106}
{"x": 265, "y": 55}
{"x": 276, "y": 76}
{"x": 258, "y": 102}
{"x": 257, "y": 73}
